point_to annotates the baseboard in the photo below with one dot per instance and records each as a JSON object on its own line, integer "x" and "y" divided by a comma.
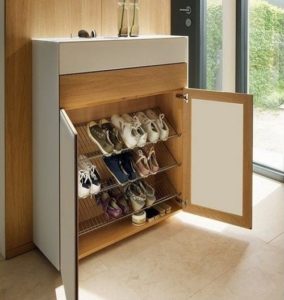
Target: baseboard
{"x": 10, "y": 253}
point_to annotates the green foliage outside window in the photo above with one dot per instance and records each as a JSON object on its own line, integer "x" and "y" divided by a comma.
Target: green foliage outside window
{"x": 214, "y": 43}
{"x": 266, "y": 52}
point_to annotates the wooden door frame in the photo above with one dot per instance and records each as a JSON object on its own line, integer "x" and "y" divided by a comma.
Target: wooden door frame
{"x": 246, "y": 219}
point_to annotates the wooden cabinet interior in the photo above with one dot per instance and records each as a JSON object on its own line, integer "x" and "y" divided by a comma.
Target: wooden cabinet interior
{"x": 99, "y": 235}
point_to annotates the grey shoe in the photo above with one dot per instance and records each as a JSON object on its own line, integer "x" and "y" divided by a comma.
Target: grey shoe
{"x": 149, "y": 191}
{"x": 98, "y": 136}
{"x": 136, "y": 196}
{"x": 112, "y": 135}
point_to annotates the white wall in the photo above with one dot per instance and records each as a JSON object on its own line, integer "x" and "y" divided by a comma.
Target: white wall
{"x": 2, "y": 123}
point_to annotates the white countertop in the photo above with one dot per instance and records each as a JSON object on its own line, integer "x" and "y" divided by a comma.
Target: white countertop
{"x": 104, "y": 38}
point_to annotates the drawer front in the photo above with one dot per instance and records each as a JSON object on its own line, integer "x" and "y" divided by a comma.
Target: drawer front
{"x": 102, "y": 55}
{"x": 86, "y": 90}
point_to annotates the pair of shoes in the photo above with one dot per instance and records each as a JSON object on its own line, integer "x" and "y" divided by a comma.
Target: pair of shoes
{"x": 140, "y": 194}
{"x": 121, "y": 201}
{"x": 109, "y": 204}
{"x": 154, "y": 125}
{"x": 130, "y": 130}
{"x": 121, "y": 167}
{"x": 106, "y": 136}
{"x": 146, "y": 163}
{"x": 88, "y": 178}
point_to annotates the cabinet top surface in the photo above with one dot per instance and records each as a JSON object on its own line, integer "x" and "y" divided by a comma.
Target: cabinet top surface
{"x": 105, "y": 38}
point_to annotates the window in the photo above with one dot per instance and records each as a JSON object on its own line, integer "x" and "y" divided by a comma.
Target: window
{"x": 266, "y": 80}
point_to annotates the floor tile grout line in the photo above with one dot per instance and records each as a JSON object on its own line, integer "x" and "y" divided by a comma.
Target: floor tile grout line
{"x": 212, "y": 281}
{"x": 275, "y": 238}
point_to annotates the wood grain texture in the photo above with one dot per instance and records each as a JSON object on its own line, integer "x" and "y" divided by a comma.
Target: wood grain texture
{"x": 98, "y": 112}
{"x": 104, "y": 237}
{"x": 247, "y": 101}
{"x": 84, "y": 90}
{"x": 26, "y": 19}
{"x": 2, "y": 129}
{"x": 154, "y": 17}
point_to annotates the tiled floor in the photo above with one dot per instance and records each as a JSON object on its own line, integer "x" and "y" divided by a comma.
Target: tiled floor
{"x": 185, "y": 258}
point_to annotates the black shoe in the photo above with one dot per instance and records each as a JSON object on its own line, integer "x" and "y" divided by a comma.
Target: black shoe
{"x": 114, "y": 165}
{"x": 127, "y": 164}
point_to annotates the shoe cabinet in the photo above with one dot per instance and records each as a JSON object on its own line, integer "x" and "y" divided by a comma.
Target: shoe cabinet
{"x": 205, "y": 165}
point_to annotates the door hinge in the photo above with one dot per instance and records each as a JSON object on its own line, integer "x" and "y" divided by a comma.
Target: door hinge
{"x": 183, "y": 97}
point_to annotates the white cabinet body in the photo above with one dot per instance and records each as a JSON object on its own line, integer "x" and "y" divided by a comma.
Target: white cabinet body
{"x": 216, "y": 129}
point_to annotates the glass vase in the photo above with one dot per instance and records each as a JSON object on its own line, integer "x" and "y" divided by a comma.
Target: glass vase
{"x": 134, "y": 18}
{"x": 122, "y": 18}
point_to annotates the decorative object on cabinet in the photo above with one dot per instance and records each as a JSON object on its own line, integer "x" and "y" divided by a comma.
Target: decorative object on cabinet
{"x": 134, "y": 18}
{"x": 122, "y": 18}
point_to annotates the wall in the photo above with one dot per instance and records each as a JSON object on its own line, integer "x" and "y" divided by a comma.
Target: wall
{"x": 45, "y": 18}
{"x": 2, "y": 129}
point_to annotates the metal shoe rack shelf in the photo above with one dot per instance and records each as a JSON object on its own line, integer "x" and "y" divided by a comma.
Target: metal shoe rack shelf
{"x": 91, "y": 215}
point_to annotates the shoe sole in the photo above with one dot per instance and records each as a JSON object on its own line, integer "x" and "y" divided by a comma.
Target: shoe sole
{"x": 97, "y": 143}
{"x": 128, "y": 147}
{"x": 138, "y": 225}
{"x": 97, "y": 191}
{"x": 84, "y": 196}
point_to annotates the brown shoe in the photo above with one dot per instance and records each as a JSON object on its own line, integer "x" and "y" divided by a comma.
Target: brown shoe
{"x": 152, "y": 161}
{"x": 141, "y": 163}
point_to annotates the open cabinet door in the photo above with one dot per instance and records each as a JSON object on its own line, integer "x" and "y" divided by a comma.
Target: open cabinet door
{"x": 219, "y": 151}
{"x": 68, "y": 207}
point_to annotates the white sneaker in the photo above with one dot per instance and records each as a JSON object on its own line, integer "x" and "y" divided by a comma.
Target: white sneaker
{"x": 127, "y": 131}
{"x": 141, "y": 134}
{"x": 163, "y": 127}
{"x": 86, "y": 165}
{"x": 150, "y": 127}
{"x": 84, "y": 184}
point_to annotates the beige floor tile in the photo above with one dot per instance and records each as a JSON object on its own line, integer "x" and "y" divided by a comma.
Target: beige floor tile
{"x": 28, "y": 277}
{"x": 268, "y": 220}
{"x": 259, "y": 276}
{"x": 187, "y": 257}
{"x": 278, "y": 242}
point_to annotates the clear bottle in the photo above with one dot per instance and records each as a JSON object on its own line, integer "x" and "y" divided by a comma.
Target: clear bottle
{"x": 122, "y": 18}
{"x": 134, "y": 18}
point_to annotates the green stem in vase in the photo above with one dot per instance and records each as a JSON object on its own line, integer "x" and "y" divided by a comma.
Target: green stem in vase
{"x": 122, "y": 18}
{"x": 134, "y": 15}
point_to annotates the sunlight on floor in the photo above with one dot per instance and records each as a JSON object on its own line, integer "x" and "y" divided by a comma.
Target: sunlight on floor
{"x": 200, "y": 222}
{"x": 263, "y": 187}
{"x": 85, "y": 295}
{"x": 60, "y": 293}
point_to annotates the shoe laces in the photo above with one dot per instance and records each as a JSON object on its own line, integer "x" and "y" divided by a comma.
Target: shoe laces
{"x": 84, "y": 176}
{"x": 161, "y": 117}
{"x": 152, "y": 154}
{"x": 140, "y": 154}
{"x": 99, "y": 132}
{"x": 152, "y": 123}
{"x": 161, "y": 121}
{"x": 136, "y": 123}
{"x": 93, "y": 172}
{"x": 122, "y": 168}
